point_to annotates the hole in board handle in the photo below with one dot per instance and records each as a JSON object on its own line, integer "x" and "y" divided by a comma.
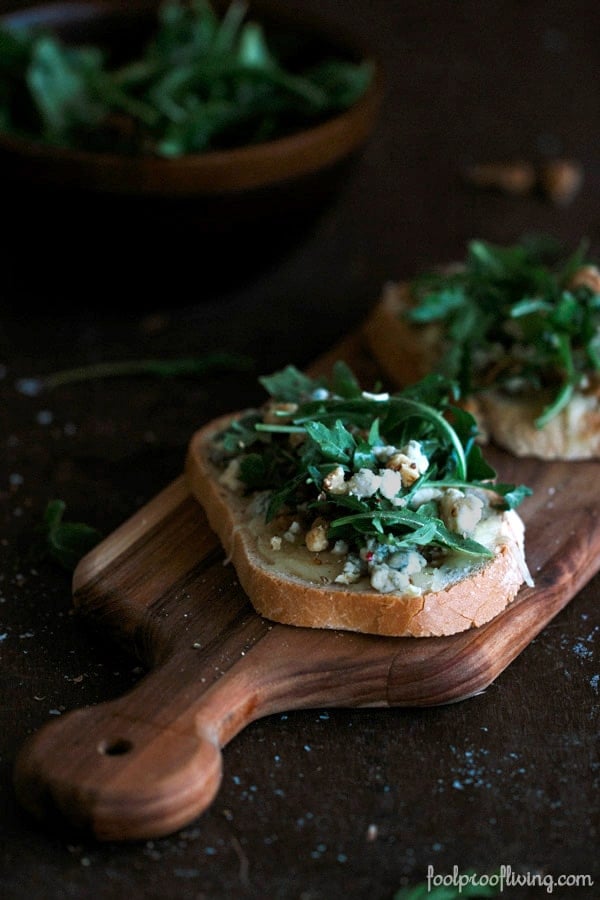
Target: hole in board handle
{"x": 117, "y": 747}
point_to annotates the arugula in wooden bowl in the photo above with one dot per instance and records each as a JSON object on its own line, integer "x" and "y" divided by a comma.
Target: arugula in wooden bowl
{"x": 179, "y": 98}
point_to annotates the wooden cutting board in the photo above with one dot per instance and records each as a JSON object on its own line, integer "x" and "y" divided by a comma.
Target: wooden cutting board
{"x": 147, "y": 763}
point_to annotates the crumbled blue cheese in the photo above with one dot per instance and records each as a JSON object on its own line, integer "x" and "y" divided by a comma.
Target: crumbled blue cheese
{"x": 401, "y": 468}
{"x": 383, "y": 452}
{"x": 381, "y": 567}
{"x": 351, "y": 572}
{"x": 364, "y": 483}
{"x": 409, "y": 561}
{"x": 395, "y": 574}
{"x": 292, "y": 532}
{"x": 391, "y": 485}
{"x": 461, "y": 512}
{"x": 340, "y": 548}
{"x": 387, "y": 580}
{"x": 424, "y": 495}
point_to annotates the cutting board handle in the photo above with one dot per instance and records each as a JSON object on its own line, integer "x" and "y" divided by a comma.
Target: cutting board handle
{"x": 119, "y": 771}
{"x": 146, "y": 764}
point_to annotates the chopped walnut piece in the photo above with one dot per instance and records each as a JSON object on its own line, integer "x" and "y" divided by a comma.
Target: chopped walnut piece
{"x": 407, "y": 467}
{"x": 561, "y": 180}
{"x": 316, "y": 537}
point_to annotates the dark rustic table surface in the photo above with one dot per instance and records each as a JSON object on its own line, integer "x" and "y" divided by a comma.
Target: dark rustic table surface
{"x": 324, "y": 803}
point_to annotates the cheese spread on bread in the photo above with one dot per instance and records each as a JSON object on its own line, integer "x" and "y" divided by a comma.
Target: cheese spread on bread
{"x": 297, "y": 543}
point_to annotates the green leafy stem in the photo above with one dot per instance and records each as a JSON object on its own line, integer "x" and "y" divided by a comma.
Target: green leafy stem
{"x": 164, "y": 368}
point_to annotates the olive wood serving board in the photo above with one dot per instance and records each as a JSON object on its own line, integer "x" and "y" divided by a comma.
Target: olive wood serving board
{"x": 147, "y": 763}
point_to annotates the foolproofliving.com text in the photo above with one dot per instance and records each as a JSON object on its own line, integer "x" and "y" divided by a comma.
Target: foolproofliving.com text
{"x": 504, "y": 878}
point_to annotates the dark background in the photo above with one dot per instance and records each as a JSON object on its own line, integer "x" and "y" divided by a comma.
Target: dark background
{"x": 509, "y": 777}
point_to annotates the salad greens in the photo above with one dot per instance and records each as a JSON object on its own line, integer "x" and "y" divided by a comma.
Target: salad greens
{"x": 520, "y": 317}
{"x": 315, "y": 428}
{"x": 201, "y": 82}
{"x": 66, "y": 542}
{"x": 465, "y": 888}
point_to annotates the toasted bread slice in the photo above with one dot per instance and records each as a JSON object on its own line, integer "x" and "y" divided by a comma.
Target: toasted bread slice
{"x": 406, "y": 352}
{"x": 289, "y": 583}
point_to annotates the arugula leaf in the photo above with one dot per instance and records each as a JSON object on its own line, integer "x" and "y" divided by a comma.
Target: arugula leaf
{"x": 437, "y": 305}
{"x": 423, "y": 531}
{"x": 240, "y": 434}
{"x": 513, "y": 495}
{"x": 200, "y": 83}
{"x": 363, "y": 457}
{"x": 512, "y": 319}
{"x": 66, "y": 542}
{"x": 334, "y": 443}
{"x": 64, "y": 87}
{"x": 344, "y": 382}
{"x": 288, "y": 385}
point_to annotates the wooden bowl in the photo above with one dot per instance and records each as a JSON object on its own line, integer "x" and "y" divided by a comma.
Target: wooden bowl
{"x": 241, "y": 170}
{"x": 144, "y": 227}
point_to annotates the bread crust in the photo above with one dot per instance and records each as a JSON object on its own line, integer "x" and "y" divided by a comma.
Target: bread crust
{"x": 406, "y": 353}
{"x": 292, "y": 600}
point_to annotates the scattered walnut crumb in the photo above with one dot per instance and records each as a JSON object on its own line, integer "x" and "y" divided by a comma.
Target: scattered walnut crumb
{"x": 561, "y": 180}
{"x": 516, "y": 177}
